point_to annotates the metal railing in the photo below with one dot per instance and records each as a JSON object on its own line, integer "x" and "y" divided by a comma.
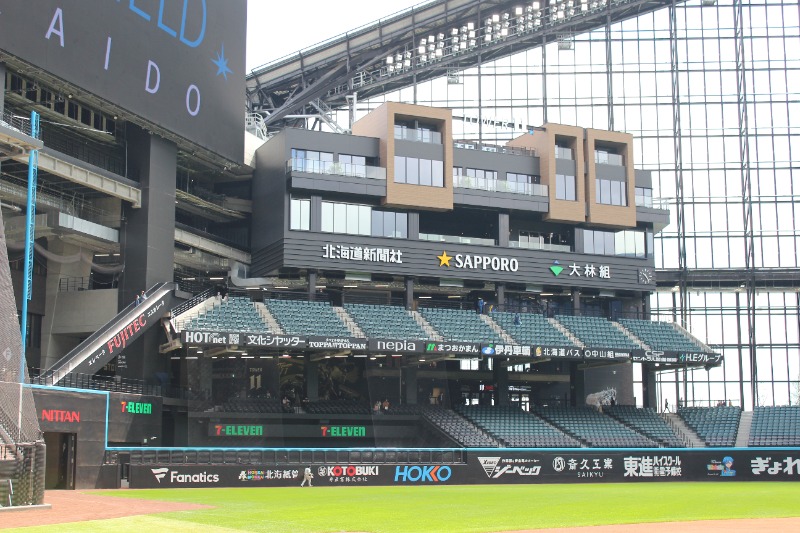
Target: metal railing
{"x": 456, "y": 239}
{"x": 484, "y": 184}
{"x": 483, "y": 147}
{"x": 87, "y": 283}
{"x": 423, "y": 136}
{"x": 16, "y": 122}
{"x": 301, "y": 457}
{"x": 107, "y": 383}
{"x": 540, "y": 246}
{"x": 315, "y": 166}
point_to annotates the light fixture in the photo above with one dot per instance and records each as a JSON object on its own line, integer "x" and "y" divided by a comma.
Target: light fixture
{"x": 216, "y": 279}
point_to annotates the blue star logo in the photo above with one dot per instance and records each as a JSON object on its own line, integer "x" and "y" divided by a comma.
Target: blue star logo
{"x": 222, "y": 63}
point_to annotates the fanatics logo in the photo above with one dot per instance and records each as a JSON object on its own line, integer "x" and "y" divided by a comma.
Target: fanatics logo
{"x": 159, "y": 473}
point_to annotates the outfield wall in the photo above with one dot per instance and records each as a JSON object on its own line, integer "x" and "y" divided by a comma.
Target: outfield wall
{"x": 496, "y": 466}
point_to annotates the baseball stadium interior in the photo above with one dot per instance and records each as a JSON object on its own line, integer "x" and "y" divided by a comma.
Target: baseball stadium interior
{"x": 468, "y": 225}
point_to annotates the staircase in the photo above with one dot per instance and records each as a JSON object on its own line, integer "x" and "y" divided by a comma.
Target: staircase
{"x": 686, "y": 434}
{"x": 426, "y": 326}
{"x": 572, "y": 338}
{"x": 355, "y": 330}
{"x": 267, "y": 317}
{"x": 184, "y": 318}
{"x": 497, "y": 329}
{"x": 743, "y": 435}
{"x": 636, "y": 340}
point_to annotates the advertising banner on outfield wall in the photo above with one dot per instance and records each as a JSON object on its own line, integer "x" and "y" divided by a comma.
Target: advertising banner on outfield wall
{"x": 500, "y": 466}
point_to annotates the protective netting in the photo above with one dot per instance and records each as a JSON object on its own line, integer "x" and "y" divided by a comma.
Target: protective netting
{"x": 21, "y": 444}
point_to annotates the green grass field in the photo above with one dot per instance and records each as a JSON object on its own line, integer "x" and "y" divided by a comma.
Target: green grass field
{"x": 449, "y": 508}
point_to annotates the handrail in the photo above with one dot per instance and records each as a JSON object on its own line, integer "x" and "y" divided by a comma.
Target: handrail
{"x": 55, "y": 373}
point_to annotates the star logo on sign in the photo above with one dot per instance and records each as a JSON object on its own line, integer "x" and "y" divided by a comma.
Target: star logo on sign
{"x": 222, "y": 63}
{"x": 444, "y": 259}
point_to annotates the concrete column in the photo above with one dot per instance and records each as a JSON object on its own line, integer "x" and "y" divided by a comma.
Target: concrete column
{"x": 147, "y": 242}
{"x": 409, "y": 377}
{"x": 576, "y": 301}
{"x": 3, "y": 92}
{"x": 312, "y": 285}
{"x": 315, "y": 216}
{"x": 500, "y": 290}
{"x": 646, "y": 306}
{"x": 577, "y": 395}
{"x": 502, "y": 230}
{"x": 54, "y": 346}
{"x": 501, "y": 383}
{"x": 311, "y": 370}
{"x": 409, "y": 293}
{"x": 649, "y": 386}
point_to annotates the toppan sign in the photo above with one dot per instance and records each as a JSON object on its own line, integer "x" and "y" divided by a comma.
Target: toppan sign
{"x": 479, "y": 262}
{"x": 337, "y": 343}
{"x": 177, "y": 63}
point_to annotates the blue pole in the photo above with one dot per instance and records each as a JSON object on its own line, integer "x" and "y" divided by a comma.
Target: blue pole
{"x": 30, "y": 222}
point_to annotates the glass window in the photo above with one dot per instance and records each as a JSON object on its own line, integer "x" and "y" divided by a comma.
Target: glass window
{"x": 599, "y": 243}
{"x": 389, "y": 225}
{"x": 570, "y": 190}
{"x": 377, "y": 223}
{"x": 340, "y": 218}
{"x": 561, "y": 187}
{"x": 616, "y": 192}
{"x": 605, "y": 191}
{"x": 364, "y": 216}
{"x": 412, "y": 170}
{"x": 609, "y": 244}
{"x": 299, "y": 212}
{"x": 401, "y": 225}
{"x": 425, "y": 172}
{"x": 588, "y": 241}
{"x": 327, "y": 217}
{"x": 437, "y": 174}
{"x": 399, "y": 169}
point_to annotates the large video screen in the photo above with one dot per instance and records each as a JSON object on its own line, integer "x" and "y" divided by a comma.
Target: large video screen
{"x": 177, "y": 63}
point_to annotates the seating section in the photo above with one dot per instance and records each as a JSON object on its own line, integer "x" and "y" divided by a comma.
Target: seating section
{"x": 516, "y": 428}
{"x": 661, "y": 335}
{"x": 385, "y": 321}
{"x": 597, "y": 332}
{"x": 459, "y": 325}
{"x": 298, "y": 317}
{"x": 235, "y": 314}
{"x": 775, "y": 426}
{"x": 403, "y": 410}
{"x": 252, "y": 405}
{"x": 532, "y": 329}
{"x": 594, "y": 428}
{"x": 647, "y": 422}
{"x": 458, "y": 428}
{"x": 338, "y": 407}
{"x": 717, "y": 426}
